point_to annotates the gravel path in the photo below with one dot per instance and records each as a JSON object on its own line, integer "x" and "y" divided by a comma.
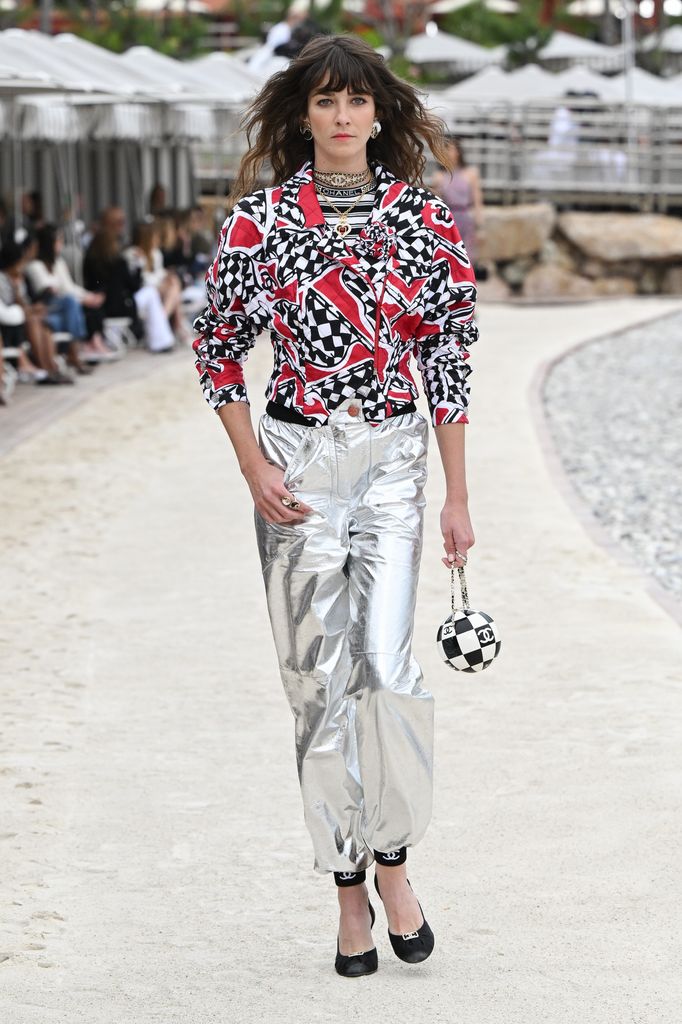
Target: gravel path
{"x": 614, "y": 408}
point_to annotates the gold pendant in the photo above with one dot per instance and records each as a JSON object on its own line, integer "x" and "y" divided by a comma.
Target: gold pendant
{"x": 342, "y": 228}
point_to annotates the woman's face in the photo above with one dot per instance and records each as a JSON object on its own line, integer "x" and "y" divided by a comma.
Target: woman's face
{"x": 454, "y": 152}
{"x": 340, "y": 123}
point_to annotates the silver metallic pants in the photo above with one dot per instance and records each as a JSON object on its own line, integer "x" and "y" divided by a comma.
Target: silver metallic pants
{"x": 341, "y": 589}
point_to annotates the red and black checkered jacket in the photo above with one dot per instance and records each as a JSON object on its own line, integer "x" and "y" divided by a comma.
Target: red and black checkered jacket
{"x": 344, "y": 316}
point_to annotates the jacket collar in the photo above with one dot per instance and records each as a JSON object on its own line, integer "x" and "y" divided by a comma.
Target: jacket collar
{"x": 299, "y": 208}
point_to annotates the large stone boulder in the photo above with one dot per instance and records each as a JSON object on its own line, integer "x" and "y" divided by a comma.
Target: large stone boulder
{"x": 615, "y": 286}
{"x": 493, "y": 289}
{"x": 515, "y": 272}
{"x": 672, "y": 281}
{"x": 550, "y": 281}
{"x": 514, "y": 231}
{"x": 623, "y": 236}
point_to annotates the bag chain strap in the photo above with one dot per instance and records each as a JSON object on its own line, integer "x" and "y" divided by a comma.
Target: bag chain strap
{"x": 462, "y": 586}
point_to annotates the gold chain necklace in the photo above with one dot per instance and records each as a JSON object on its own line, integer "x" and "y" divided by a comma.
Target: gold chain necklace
{"x": 343, "y": 227}
{"x": 341, "y": 179}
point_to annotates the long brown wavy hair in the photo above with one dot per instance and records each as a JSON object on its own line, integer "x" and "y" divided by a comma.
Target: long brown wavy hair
{"x": 272, "y": 121}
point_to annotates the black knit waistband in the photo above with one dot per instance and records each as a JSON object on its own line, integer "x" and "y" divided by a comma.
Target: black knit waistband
{"x": 284, "y": 412}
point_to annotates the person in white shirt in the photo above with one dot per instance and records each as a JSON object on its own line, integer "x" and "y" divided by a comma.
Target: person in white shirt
{"x": 50, "y": 281}
{"x": 145, "y": 256}
{"x": 278, "y": 35}
{"x": 22, "y": 321}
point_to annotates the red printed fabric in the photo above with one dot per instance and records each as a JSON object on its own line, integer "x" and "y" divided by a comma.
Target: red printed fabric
{"x": 344, "y": 316}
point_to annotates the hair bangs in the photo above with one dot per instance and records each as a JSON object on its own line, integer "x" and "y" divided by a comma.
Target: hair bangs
{"x": 338, "y": 70}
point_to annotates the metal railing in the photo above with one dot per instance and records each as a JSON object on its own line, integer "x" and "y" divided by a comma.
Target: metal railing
{"x": 574, "y": 151}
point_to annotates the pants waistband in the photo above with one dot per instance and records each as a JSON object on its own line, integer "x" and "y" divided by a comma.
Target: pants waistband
{"x": 283, "y": 412}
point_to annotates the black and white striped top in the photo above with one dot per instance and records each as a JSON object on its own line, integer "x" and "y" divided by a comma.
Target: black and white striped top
{"x": 343, "y": 198}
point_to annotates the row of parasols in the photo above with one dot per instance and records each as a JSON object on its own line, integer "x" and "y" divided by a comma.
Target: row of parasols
{"x": 63, "y": 88}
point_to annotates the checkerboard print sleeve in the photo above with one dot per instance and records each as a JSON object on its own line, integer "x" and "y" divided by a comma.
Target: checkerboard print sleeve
{"x": 448, "y": 327}
{"x": 230, "y": 323}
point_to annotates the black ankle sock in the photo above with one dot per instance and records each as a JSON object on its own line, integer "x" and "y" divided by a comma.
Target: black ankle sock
{"x": 392, "y": 858}
{"x": 345, "y": 878}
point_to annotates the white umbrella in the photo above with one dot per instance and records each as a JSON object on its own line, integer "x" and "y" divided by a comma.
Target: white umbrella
{"x": 670, "y": 40}
{"x": 532, "y": 82}
{"x": 167, "y": 73}
{"x": 228, "y": 75}
{"x": 190, "y": 122}
{"x": 487, "y": 84}
{"x": 14, "y": 81}
{"x": 443, "y": 48}
{"x": 49, "y": 119}
{"x": 105, "y": 68}
{"x": 128, "y": 122}
{"x": 565, "y": 46}
{"x": 648, "y": 89}
{"x": 581, "y": 79}
{"x": 492, "y": 84}
{"x": 23, "y": 50}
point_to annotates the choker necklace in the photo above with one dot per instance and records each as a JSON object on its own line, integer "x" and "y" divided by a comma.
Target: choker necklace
{"x": 343, "y": 227}
{"x": 342, "y": 179}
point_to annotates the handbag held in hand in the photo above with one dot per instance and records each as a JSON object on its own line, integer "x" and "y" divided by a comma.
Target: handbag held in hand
{"x": 468, "y": 640}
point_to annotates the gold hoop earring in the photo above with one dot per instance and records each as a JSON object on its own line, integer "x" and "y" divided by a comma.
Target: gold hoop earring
{"x": 306, "y": 130}
{"x": 376, "y": 128}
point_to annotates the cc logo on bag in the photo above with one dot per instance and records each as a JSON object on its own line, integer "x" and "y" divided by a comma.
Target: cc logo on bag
{"x": 485, "y": 634}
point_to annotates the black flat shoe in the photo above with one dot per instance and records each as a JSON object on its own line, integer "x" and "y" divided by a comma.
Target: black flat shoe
{"x": 356, "y": 964}
{"x": 413, "y": 947}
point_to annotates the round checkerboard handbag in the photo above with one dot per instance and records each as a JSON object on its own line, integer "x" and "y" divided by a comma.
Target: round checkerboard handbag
{"x": 467, "y": 640}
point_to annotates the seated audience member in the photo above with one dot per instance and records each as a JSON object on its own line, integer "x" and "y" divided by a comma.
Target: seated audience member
{"x": 32, "y": 210}
{"x": 178, "y": 247}
{"x": 6, "y": 223}
{"x": 22, "y": 321}
{"x": 176, "y": 243}
{"x": 29, "y": 249}
{"x": 146, "y": 256}
{"x": 7, "y": 379}
{"x": 106, "y": 269}
{"x": 158, "y": 200}
{"x": 50, "y": 280}
{"x": 202, "y": 242}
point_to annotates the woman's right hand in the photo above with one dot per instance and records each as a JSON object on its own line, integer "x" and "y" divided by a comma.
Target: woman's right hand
{"x": 267, "y": 489}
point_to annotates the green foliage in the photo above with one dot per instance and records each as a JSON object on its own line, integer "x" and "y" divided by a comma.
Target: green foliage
{"x": 369, "y": 34}
{"x": 330, "y": 18}
{"x": 118, "y": 25}
{"x": 252, "y": 17}
{"x": 523, "y": 33}
{"x": 478, "y": 24}
{"x": 15, "y": 17}
{"x": 401, "y": 66}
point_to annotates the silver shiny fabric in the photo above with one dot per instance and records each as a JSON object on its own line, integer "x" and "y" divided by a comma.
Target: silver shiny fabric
{"x": 341, "y": 589}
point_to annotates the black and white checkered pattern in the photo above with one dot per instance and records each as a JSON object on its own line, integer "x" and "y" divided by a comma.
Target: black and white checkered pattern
{"x": 344, "y": 316}
{"x": 468, "y": 640}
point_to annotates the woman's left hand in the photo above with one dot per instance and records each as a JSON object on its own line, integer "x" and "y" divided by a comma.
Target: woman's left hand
{"x": 457, "y": 531}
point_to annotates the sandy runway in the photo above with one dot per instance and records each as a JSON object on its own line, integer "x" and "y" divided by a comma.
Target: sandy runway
{"x": 154, "y": 863}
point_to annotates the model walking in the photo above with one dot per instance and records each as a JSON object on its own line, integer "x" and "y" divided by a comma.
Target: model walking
{"x": 352, "y": 267}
